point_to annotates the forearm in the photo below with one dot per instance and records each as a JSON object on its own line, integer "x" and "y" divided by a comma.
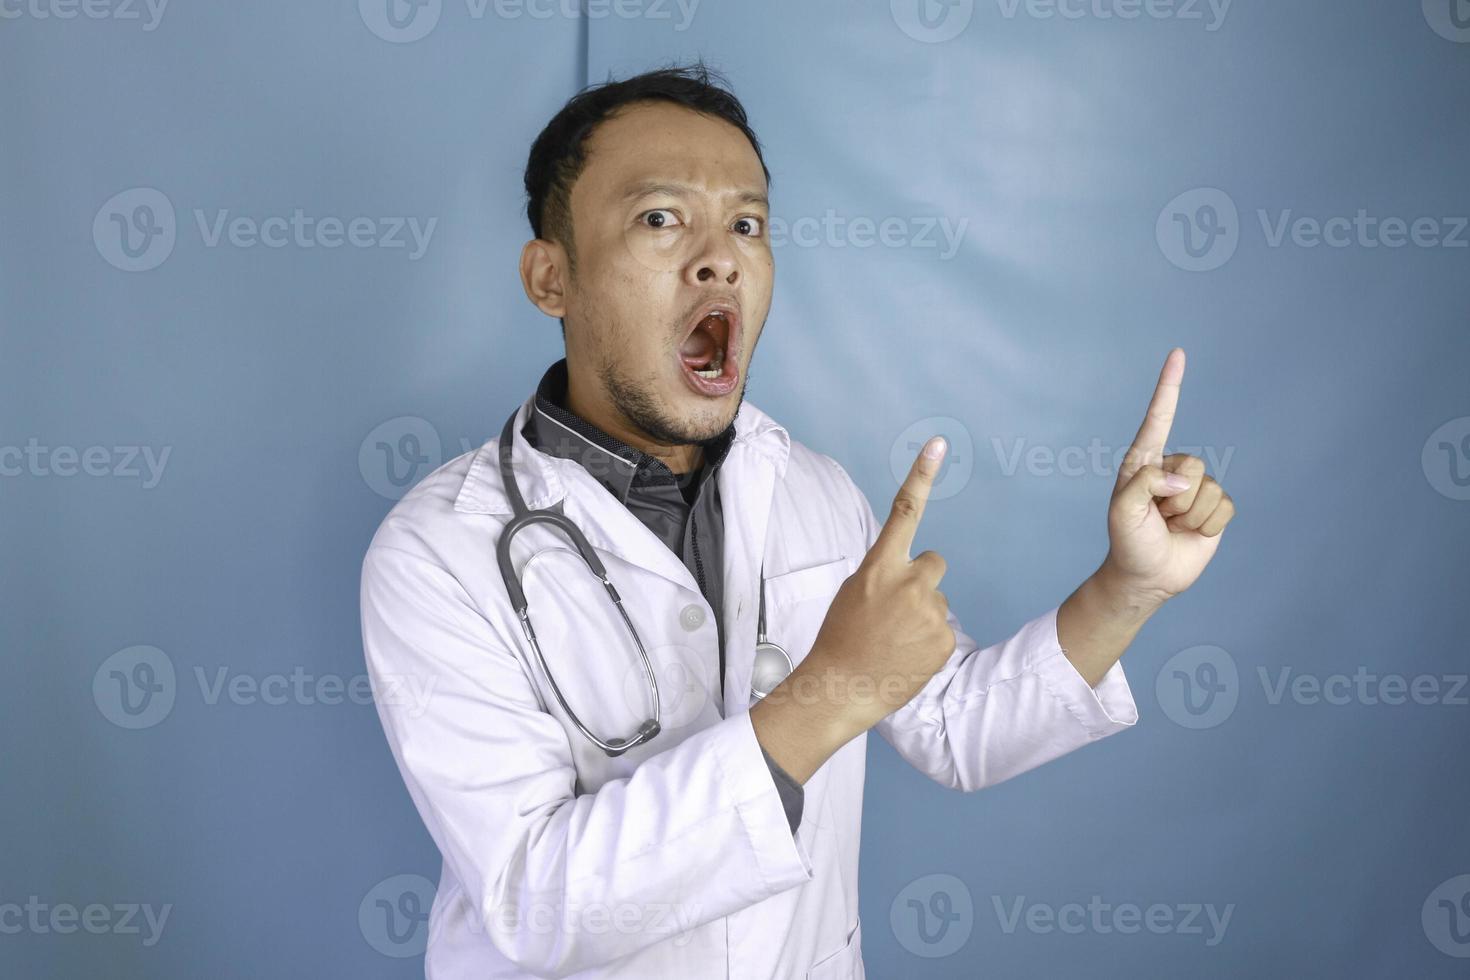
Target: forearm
{"x": 1098, "y": 621}
{"x": 801, "y": 723}
{"x": 800, "y": 729}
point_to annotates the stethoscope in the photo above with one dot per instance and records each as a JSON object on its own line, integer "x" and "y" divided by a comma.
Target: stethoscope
{"x": 772, "y": 662}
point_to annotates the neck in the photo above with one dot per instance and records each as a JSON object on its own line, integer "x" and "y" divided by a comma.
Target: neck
{"x": 679, "y": 458}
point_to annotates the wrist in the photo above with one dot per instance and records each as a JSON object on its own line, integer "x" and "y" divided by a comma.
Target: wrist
{"x": 799, "y": 726}
{"x": 820, "y": 693}
{"x": 1113, "y": 591}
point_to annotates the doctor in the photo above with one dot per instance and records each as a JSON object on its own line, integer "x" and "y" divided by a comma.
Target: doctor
{"x": 610, "y": 791}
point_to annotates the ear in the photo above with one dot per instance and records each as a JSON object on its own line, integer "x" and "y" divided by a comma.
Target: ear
{"x": 543, "y": 265}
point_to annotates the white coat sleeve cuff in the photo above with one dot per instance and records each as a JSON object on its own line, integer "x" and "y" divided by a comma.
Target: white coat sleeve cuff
{"x": 780, "y": 858}
{"x": 1102, "y": 710}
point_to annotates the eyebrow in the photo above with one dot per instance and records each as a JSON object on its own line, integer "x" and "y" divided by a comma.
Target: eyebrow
{"x": 644, "y": 188}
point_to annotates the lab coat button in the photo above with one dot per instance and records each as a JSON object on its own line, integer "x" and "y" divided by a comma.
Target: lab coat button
{"x": 691, "y": 617}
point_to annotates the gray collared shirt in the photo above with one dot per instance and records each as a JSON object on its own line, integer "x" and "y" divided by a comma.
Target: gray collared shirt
{"x": 682, "y": 509}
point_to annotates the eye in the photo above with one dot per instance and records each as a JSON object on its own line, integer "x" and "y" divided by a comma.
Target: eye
{"x": 750, "y": 221}
{"x": 654, "y": 219}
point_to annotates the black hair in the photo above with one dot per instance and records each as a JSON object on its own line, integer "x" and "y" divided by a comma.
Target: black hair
{"x": 559, "y": 153}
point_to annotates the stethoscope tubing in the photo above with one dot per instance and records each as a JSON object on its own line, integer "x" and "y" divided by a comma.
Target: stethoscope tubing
{"x": 523, "y": 518}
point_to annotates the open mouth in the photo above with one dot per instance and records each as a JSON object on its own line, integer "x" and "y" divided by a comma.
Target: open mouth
{"x": 708, "y": 354}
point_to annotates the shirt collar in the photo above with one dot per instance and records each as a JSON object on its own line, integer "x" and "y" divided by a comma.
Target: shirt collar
{"x": 619, "y": 467}
{"x": 546, "y": 480}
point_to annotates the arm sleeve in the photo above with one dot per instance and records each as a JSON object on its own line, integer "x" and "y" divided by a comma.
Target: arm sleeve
{"x": 792, "y": 795}
{"x": 991, "y": 714}
{"x": 699, "y": 828}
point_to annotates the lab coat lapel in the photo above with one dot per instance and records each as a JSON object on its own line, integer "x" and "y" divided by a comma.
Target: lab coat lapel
{"x": 747, "y": 480}
{"x": 610, "y": 526}
{"x": 546, "y": 481}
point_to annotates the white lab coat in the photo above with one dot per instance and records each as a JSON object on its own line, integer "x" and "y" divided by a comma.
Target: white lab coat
{"x": 674, "y": 860}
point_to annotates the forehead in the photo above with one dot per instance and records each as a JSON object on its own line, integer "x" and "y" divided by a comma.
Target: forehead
{"x": 659, "y": 142}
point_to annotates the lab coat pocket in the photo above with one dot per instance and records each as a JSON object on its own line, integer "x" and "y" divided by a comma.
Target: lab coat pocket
{"x": 846, "y": 963}
{"x": 797, "y": 603}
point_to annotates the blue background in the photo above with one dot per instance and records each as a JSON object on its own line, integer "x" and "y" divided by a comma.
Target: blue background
{"x": 1321, "y": 379}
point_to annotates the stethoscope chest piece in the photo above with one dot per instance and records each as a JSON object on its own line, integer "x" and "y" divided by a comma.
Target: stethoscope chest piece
{"x": 772, "y": 666}
{"x": 772, "y": 662}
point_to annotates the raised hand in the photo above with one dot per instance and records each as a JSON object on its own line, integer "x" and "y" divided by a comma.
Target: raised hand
{"x": 889, "y": 620}
{"x": 1166, "y": 515}
{"x": 885, "y": 634}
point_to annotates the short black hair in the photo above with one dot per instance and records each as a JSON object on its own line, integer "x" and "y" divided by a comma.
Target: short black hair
{"x": 558, "y": 155}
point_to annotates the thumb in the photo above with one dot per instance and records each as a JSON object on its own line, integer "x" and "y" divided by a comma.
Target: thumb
{"x": 1132, "y": 502}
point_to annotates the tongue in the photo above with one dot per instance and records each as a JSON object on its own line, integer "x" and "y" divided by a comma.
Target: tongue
{"x": 699, "y": 349}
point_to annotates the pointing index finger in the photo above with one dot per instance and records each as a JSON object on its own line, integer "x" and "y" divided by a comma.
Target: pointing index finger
{"x": 1148, "y": 444}
{"x": 897, "y": 535}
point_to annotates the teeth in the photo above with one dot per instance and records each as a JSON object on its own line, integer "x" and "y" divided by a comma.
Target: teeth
{"x": 716, "y": 367}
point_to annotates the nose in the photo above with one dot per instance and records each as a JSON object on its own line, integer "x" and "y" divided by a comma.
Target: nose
{"x": 714, "y": 261}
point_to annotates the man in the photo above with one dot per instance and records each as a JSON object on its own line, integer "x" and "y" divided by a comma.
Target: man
{"x": 580, "y": 838}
